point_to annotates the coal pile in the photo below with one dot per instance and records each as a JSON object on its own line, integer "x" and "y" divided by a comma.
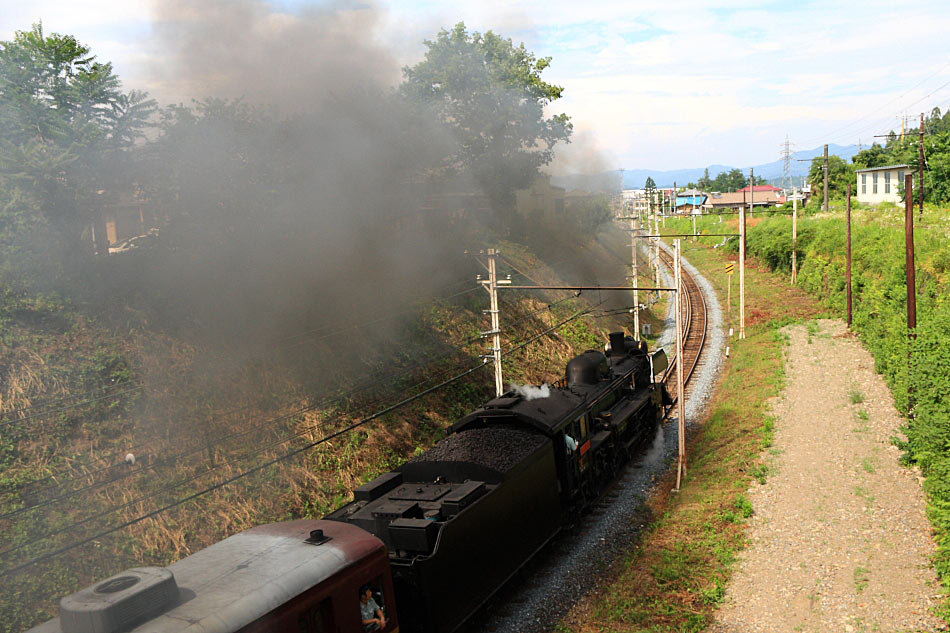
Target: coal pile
{"x": 496, "y": 448}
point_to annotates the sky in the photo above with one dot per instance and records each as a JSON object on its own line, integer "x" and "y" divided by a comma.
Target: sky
{"x": 648, "y": 85}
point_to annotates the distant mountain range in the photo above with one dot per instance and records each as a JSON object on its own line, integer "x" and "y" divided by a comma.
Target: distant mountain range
{"x": 801, "y": 161}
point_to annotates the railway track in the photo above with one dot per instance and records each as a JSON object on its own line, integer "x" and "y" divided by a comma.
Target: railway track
{"x": 694, "y": 329}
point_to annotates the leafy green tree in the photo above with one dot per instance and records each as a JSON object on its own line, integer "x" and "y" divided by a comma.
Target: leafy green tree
{"x": 874, "y": 156}
{"x": 66, "y": 129}
{"x": 705, "y": 183}
{"x": 649, "y": 189}
{"x": 731, "y": 180}
{"x": 490, "y": 95}
{"x": 840, "y": 174}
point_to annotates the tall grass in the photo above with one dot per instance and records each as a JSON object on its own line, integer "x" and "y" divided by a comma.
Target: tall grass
{"x": 917, "y": 370}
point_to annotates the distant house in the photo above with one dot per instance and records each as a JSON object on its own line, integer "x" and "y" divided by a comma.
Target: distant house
{"x": 736, "y": 200}
{"x": 880, "y": 184}
{"x": 540, "y": 200}
{"x": 120, "y": 217}
{"x": 690, "y": 201}
{"x": 762, "y": 188}
{"x": 638, "y": 201}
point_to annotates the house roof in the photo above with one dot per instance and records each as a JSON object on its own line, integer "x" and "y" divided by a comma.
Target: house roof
{"x": 881, "y": 168}
{"x": 737, "y": 198}
{"x": 761, "y": 188}
{"x": 682, "y": 200}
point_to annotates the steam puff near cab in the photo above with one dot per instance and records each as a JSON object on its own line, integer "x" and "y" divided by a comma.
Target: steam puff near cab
{"x": 433, "y": 539}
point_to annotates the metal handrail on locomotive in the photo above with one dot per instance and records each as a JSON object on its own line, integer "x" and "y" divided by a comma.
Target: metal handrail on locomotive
{"x": 502, "y": 483}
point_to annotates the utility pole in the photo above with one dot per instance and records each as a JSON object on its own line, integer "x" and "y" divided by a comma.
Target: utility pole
{"x": 634, "y": 281}
{"x": 656, "y": 250}
{"x": 920, "y": 167}
{"x": 848, "y": 251}
{"x": 491, "y": 285}
{"x": 751, "y": 192}
{"x": 911, "y": 279}
{"x": 794, "y": 232}
{"x": 742, "y": 273}
{"x": 826, "y": 178}
{"x": 680, "y": 396}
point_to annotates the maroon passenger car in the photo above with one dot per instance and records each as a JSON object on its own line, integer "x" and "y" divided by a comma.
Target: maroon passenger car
{"x": 300, "y": 576}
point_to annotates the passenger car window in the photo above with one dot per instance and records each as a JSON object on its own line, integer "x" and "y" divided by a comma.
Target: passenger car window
{"x": 372, "y": 606}
{"x": 317, "y": 619}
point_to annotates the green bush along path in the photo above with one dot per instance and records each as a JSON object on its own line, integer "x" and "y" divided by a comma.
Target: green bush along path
{"x": 879, "y": 319}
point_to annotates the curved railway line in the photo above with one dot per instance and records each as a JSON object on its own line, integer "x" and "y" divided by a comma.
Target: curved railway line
{"x": 694, "y": 328}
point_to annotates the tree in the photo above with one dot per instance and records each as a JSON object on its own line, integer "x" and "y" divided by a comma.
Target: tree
{"x": 840, "y": 174}
{"x": 490, "y": 96}
{"x": 65, "y": 128}
{"x": 649, "y": 190}
{"x": 874, "y": 156}
{"x": 705, "y": 183}
{"x": 731, "y": 180}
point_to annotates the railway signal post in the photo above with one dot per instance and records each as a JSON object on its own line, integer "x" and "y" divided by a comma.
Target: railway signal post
{"x": 680, "y": 396}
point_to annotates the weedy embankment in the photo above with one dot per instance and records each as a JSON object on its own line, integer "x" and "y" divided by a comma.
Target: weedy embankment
{"x": 674, "y": 577}
{"x": 82, "y": 389}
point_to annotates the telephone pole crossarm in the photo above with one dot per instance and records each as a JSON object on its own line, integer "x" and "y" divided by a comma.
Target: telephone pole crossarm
{"x": 627, "y": 288}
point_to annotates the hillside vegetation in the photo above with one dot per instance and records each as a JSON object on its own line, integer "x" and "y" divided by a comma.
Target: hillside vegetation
{"x": 917, "y": 370}
{"x": 80, "y": 393}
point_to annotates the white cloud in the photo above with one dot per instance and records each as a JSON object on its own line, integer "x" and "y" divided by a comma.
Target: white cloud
{"x": 680, "y": 83}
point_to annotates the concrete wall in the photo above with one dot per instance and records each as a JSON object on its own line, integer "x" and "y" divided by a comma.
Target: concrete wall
{"x": 881, "y": 185}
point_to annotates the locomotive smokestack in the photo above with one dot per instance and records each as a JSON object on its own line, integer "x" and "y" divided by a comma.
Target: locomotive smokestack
{"x": 618, "y": 346}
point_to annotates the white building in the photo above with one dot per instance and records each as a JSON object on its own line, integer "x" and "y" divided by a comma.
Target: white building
{"x": 880, "y": 184}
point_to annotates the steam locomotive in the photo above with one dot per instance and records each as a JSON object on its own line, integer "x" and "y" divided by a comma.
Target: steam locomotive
{"x": 434, "y": 539}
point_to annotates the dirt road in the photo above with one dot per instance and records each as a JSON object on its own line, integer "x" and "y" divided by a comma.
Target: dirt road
{"x": 839, "y": 540}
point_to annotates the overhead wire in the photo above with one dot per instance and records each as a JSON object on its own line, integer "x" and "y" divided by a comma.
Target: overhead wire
{"x": 341, "y": 329}
{"x": 225, "y": 413}
{"x": 47, "y": 556}
{"x": 368, "y": 383}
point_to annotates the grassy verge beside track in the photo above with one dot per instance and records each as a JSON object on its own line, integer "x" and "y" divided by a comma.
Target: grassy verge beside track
{"x": 673, "y": 579}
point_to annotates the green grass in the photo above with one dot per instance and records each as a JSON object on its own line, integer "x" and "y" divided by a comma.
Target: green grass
{"x": 679, "y": 572}
{"x": 855, "y": 397}
{"x": 861, "y": 575}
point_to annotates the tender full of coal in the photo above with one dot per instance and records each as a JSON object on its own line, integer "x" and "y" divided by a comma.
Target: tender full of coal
{"x": 500, "y": 449}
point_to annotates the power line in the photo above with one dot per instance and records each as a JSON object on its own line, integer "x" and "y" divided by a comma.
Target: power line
{"x": 279, "y": 458}
{"x": 368, "y": 383}
{"x": 229, "y": 480}
{"x": 167, "y": 488}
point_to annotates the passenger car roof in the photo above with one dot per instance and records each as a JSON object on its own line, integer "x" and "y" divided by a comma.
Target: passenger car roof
{"x": 242, "y": 578}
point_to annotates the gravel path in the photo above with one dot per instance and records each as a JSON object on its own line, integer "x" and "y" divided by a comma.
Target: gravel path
{"x": 839, "y": 540}
{"x": 567, "y": 570}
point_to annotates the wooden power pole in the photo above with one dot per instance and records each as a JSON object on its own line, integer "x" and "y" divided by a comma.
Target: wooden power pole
{"x": 794, "y": 232}
{"x": 742, "y": 272}
{"x": 848, "y": 251}
{"x": 920, "y": 166}
{"x": 911, "y": 282}
{"x": 826, "y": 178}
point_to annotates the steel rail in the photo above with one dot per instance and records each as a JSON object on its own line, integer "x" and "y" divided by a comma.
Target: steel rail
{"x": 697, "y": 309}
